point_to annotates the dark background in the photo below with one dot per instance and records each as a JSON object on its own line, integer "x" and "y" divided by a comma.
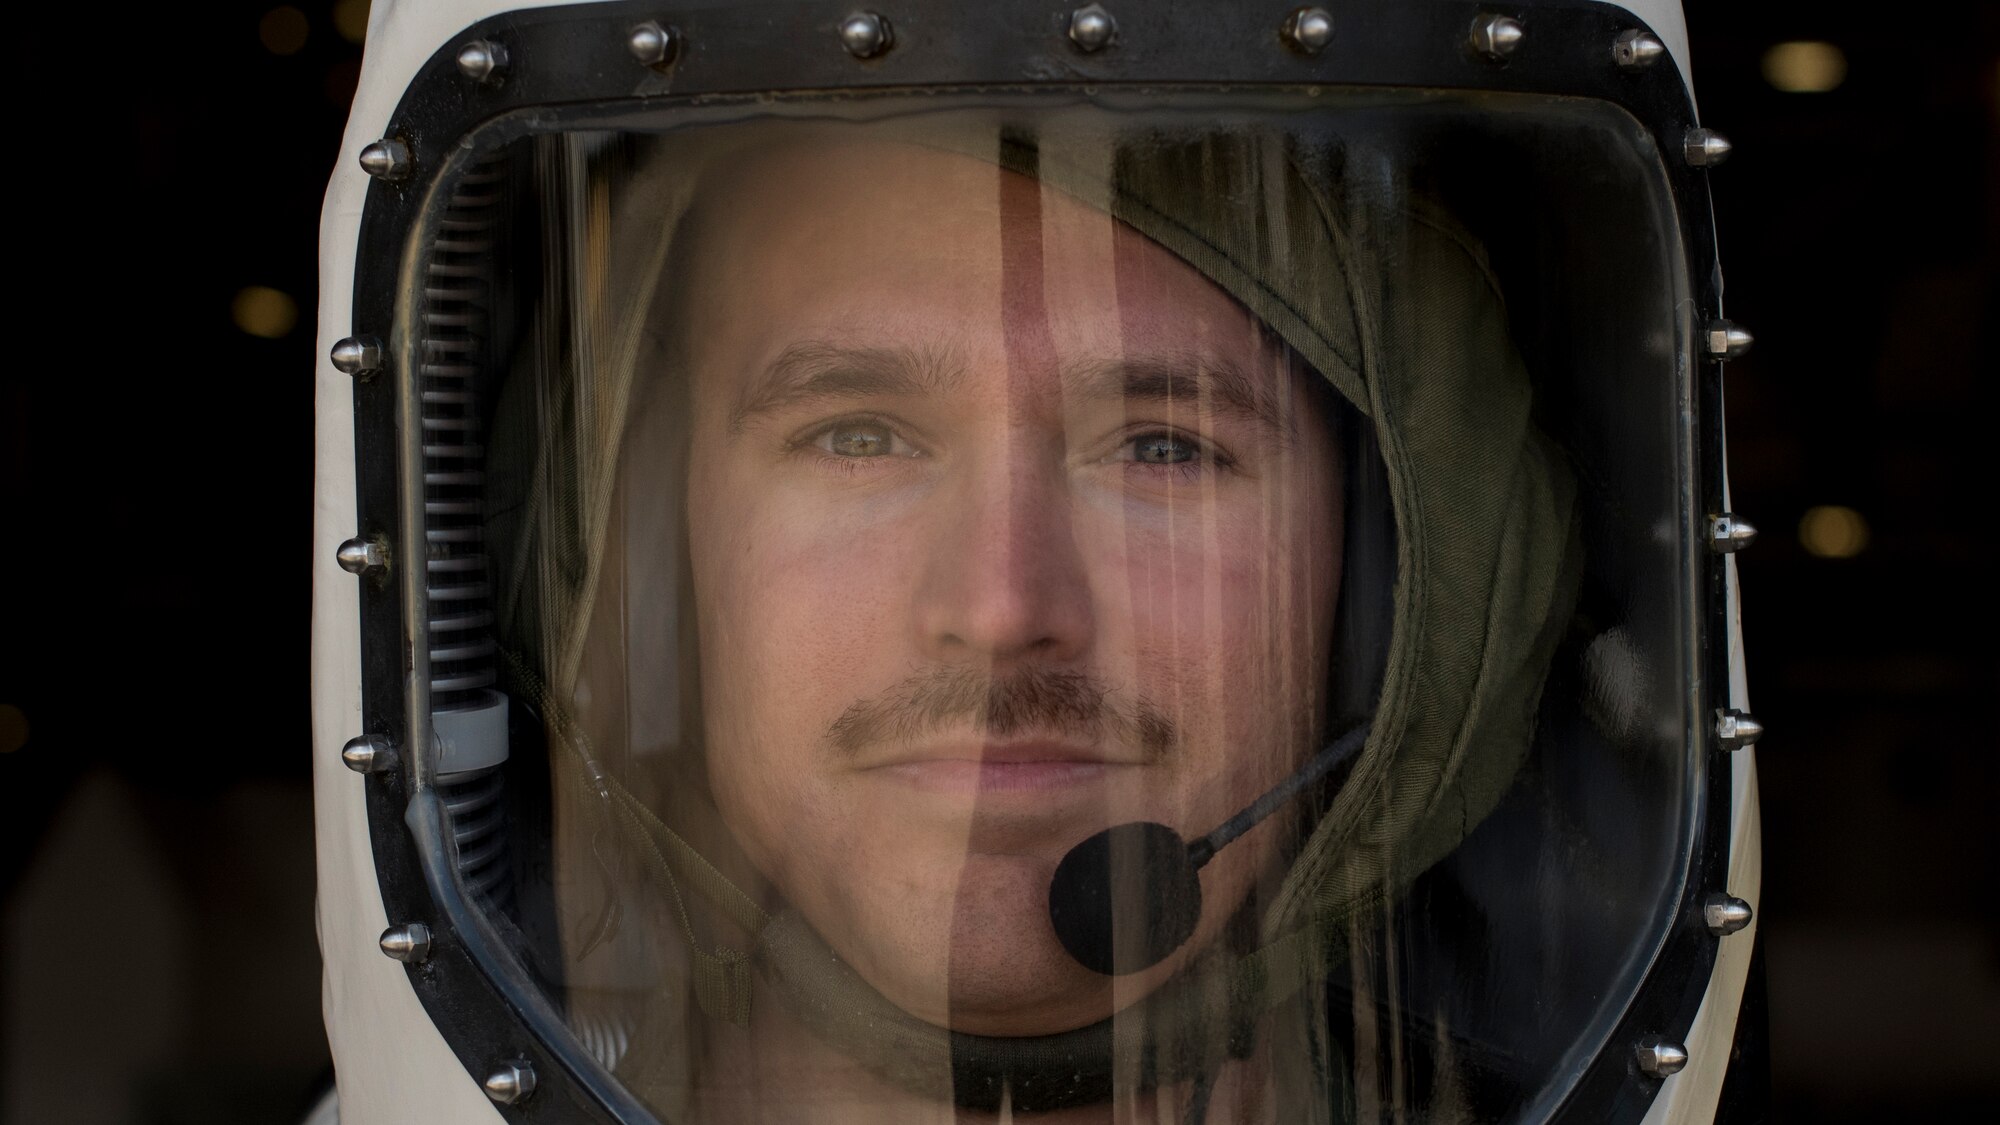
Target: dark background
{"x": 157, "y": 958}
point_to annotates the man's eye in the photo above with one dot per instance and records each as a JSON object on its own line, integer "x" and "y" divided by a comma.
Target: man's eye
{"x": 862, "y": 439}
{"x": 1164, "y": 449}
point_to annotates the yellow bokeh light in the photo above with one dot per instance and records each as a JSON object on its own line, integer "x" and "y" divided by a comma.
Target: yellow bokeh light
{"x": 1805, "y": 67}
{"x": 350, "y": 19}
{"x": 13, "y": 728}
{"x": 283, "y": 31}
{"x": 1833, "y": 532}
{"x": 265, "y": 312}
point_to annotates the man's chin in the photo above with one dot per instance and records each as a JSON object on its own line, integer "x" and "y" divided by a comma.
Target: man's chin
{"x": 987, "y": 962}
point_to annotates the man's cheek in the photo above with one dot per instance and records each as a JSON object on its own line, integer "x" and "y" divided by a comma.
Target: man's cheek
{"x": 1194, "y": 595}
{"x": 813, "y": 605}
{"x": 1222, "y": 634}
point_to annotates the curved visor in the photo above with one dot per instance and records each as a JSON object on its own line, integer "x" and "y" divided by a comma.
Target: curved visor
{"x": 1178, "y": 608}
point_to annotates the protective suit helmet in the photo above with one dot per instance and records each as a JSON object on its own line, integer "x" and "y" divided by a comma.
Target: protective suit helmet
{"x": 1030, "y": 563}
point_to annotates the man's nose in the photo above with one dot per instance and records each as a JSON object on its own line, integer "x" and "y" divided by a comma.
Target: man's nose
{"x": 1004, "y": 580}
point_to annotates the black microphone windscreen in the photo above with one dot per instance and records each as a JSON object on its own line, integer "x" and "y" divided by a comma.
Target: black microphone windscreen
{"x": 1124, "y": 899}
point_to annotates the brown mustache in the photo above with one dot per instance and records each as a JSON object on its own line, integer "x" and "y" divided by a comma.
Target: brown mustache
{"x": 1042, "y": 701}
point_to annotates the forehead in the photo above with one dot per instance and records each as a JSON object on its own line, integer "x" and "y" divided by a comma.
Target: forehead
{"x": 852, "y": 241}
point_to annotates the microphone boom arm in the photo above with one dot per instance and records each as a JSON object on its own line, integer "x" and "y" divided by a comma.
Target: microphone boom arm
{"x": 1338, "y": 753}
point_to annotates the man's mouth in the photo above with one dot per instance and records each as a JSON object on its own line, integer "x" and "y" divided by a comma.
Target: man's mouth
{"x": 1010, "y": 765}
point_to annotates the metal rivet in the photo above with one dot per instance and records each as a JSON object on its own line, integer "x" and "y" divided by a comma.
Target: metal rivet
{"x": 1705, "y": 148}
{"x": 654, "y": 44}
{"x": 409, "y": 943}
{"x": 866, "y": 34}
{"x": 1660, "y": 1058}
{"x": 1726, "y": 339}
{"x": 1308, "y": 30}
{"x": 386, "y": 159}
{"x": 1725, "y": 914}
{"x": 1496, "y": 37}
{"x": 482, "y": 60}
{"x": 359, "y": 356}
{"x": 1729, "y": 533}
{"x": 368, "y": 754}
{"x": 1736, "y": 729}
{"x": 1091, "y": 28}
{"x": 1637, "y": 49}
{"x": 363, "y": 556}
{"x": 510, "y": 1083}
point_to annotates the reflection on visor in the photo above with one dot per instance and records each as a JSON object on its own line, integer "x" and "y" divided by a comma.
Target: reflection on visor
{"x": 1059, "y": 611}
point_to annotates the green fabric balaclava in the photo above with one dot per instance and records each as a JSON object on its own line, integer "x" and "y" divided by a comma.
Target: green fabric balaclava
{"x": 1395, "y": 305}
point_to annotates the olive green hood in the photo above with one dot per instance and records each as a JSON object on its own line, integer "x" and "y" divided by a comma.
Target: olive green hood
{"x": 1395, "y": 305}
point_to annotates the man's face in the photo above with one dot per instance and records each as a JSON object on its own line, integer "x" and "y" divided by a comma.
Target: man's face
{"x": 1007, "y": 526}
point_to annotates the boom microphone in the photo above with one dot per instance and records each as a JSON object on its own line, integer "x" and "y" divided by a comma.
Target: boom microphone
{"x": 1124, "y": 899}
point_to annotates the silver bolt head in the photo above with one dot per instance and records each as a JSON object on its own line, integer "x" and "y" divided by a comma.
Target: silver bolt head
{"x": 1636, "y": 50}
{"x": 1729, "y": 533}
{"x": 482, "y": 60}
{"x": 362, "y": 557}
{"x": 386, "y": 159}
{"x": 358, "y": 356}
{"x": 409, "y": 943}
{"x": 1735, "y": 729}
{"x": 1726, "y": 340}
{"x": 1309, "y": 30}
{"x": 368, "y": 754}
{"x": 1091, "y": 28}
{"x": 1496, "y": 37}
{"x": 1705, "y": 148}
{"x": 510, "y": 1083}
{"x": 653, "y": 44}
{"x": 1725, "y": 914}
{"x": 1660, "y": 1058}
{"x": 866, "y": 35}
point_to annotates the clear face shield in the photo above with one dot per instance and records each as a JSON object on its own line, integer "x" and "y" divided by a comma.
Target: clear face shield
{"x": 1047, "y": 602}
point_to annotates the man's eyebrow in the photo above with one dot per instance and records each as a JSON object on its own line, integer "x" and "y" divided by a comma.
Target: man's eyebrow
{"x": 812, "y": 370}
{"x": 1195, "y": 380}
